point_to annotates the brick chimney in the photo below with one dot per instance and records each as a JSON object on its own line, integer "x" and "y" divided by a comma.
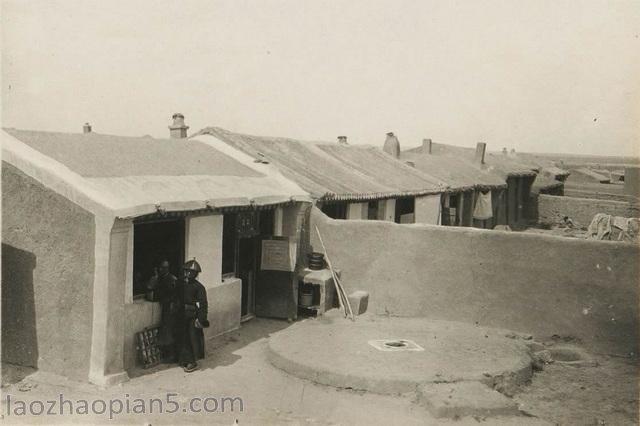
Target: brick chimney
{"x": 342, "y": 140}
{"x": 426, "y": 146}
{"x": 86, "y": 128}
{"x": 392, "y": 145}
{"x": 481, "y": 147}
{"x": 178, "y": 130}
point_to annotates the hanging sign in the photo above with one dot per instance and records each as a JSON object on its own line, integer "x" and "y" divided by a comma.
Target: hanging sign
{"x": 278, "y": 255}
{"x": 247, "y": 224}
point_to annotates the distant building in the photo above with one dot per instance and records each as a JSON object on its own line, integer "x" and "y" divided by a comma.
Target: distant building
{"x": 468, "y": 182}
{"x": 587, "y": 175}
{"x": 515, "y": 208}
{"x": 346, "y": 181}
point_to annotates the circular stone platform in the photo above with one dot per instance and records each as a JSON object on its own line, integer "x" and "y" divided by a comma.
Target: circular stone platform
{"x": 335, "y": 351}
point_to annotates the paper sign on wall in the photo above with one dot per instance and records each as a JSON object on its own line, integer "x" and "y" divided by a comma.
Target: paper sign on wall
{"x": 278, "y": 255}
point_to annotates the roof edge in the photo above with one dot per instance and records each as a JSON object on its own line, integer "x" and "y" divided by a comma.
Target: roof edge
{"x": 54, "y": 175}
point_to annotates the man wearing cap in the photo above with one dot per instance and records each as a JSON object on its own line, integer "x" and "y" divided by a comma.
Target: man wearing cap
{"x": 162, "y": 287}
{"x": 193, "y": 318}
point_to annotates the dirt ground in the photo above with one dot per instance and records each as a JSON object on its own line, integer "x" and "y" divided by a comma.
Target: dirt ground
{"x": 236, "y": 365}
{"x": 606, "y": 394}
{"x": 559, "y": 232}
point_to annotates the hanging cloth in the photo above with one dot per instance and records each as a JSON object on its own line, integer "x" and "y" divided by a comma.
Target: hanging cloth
{"x": 483, "y": 209}
{"x": 600, "y": 227}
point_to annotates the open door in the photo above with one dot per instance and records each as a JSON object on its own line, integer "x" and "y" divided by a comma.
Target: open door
{"x": 276, "y": 288}
{"x": 246, "y": 271}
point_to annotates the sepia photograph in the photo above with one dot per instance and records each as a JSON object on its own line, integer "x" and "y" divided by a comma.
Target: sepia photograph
{"x": 320, "y": 212}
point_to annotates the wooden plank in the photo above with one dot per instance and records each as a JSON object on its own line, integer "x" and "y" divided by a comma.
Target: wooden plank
{"x": 339, "y": 288}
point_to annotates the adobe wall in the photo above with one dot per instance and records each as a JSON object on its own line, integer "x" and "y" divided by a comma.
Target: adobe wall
{"x": 139, "y": 315}
{"x": 551, "y": 209}
{"x": 587, "y": 193}
{"x": 224, "y": 315}
{"x": 224, "y": 306}
{"x": 536, "y": 284}
{"x": 47, "y": 277}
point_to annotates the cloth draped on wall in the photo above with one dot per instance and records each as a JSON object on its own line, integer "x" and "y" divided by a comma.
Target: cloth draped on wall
{"x": 616, "y": 228}
{"x": 483, "y": 209}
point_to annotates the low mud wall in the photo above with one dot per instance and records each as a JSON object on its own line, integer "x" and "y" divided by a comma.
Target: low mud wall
{"x": 537, "y": 284}
{"x": 586, "y": 193}
{"x": 551, "y": 209}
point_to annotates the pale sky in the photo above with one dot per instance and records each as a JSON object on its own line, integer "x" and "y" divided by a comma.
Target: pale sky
{"x": 538, "y": 76}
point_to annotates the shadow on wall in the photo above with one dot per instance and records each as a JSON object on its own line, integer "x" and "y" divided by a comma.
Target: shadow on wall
{"x": 19, "y": 338}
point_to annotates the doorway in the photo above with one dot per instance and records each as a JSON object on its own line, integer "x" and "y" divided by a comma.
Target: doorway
{"x": 242, "y": 243}
{"x": 405, "y": 210}
{"x": 337, "y": 210}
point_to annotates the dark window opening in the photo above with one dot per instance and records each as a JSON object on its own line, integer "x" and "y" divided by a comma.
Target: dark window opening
{"x": 335, "y": 210}
{"x": 450, "y": 210}
{"x": 266, "y": 221}
{"x": 229, "y": 243}
{"x": 154, "y": 242}
{"x": 372, "y": 210}
{"x": 466, "y": 213}
{"x": 405, "y": 206}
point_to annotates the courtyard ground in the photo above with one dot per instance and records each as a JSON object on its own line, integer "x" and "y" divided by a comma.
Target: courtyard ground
{"x": 237, "y": 365}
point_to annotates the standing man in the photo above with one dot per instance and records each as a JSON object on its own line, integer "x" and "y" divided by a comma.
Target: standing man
{"x": 193, "y": 319}
{"x": 163, "y": 288}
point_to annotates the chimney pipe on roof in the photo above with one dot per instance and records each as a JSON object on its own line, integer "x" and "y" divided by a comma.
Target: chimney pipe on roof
{"x": 342, "y": 140}
{"x": 426, "y": 146}
{"x": 481, "y": 147}
{"x": 86, "y": 128}
{"x": 392, "y": 145}
{"x": 178, "y": 130}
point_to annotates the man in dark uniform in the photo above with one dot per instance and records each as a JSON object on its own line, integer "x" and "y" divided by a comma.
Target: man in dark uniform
{"x": 193, "y": 318}
{"x": 163, "y": 288}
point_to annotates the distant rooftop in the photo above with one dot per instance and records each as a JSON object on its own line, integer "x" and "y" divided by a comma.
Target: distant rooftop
{"x": 459, "y": 171}
{"x": 504, "y": 165}
{"x": 333, "y": 172}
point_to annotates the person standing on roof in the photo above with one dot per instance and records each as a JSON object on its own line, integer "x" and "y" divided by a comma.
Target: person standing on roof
{"x": 193, "y": 318}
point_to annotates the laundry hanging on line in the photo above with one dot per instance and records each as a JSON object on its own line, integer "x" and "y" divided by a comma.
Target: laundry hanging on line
{"x": 483, "y": 209}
